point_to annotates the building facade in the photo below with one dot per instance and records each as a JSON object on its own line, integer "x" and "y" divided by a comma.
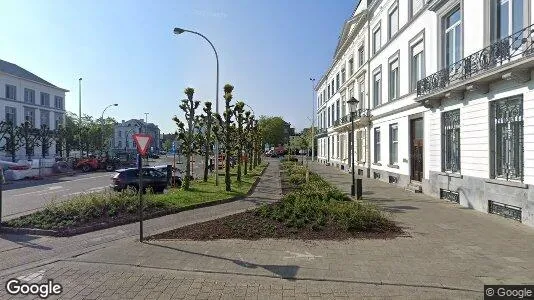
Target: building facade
{"x": 444, "y": 90}
{"x": 123, "y": 132}
{"x": 26, "y": 97}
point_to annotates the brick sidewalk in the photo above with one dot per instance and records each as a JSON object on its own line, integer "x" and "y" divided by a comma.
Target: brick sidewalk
{"x": 448, "y": 253}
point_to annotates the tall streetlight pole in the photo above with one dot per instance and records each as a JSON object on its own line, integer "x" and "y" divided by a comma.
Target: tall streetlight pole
{"x": 313, "y": 118}
{"x": 180, "y": 31}
{"x": 353, "y": 106}
{"x": 80, "y": 112}
{"x": 102, "y": 119}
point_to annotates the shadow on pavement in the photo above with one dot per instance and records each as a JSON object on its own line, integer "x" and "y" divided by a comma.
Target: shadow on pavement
{"x": 24, "y": 240}
{"x": 283, "y": 271}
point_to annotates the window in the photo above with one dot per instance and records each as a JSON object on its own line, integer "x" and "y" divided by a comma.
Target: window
{"x": 45, "y": 118}
{"x": 453, "y": 36}
{"x": 361, "y": 56}
{"x": 359, "y": 141}
{"x": 377, "y": 145}
{"x": 332, "y": 145}
{"x": 45, "y": 99}
{"x": 507, "y": 138}
{"x": 329, "y": 91}
{"x": 450, "y": 126}
{"x": 417, "y": 64}
{"x": 508, "y": 16}
{"x": 416, "y": 6}
{"x": 120, "y": 133}
{"x": 361, "y": 90}
{"x": 58, "y": 120}
{"x": 376, "y": 40}
{"x": 29, "y": 96}
{"x": 343, "y": 76}
{"x": 58, "y": 102}
{"x": 393, "y": 19}
{"x": 393, "y": 144}
{"x": 377, "y": 89}
{"x": 333, "y": 88}
{"x": 344, "y": 106}
{"x": 328, "y": 116}
{"x": 11, "y": 115}
{"x": 394, "y": 79}
{"x": 11, "y": 92}
{"x": 333, "y": 114}
{"x": 337, "y": 82}
{"x": 29, "y": 115}
{"x": 120, "y": 144}
{"x": 338, "y": 138}
{"x": 351, "y": 66}
{"x": 337, "y": 110}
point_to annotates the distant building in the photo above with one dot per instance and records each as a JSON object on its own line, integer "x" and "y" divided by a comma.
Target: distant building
{"x": 123, "y": 135}
{"x": 25, "y": 96}
{"x": 288, "y": 131}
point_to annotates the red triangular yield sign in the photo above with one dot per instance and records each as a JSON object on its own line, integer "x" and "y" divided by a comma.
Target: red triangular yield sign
{"x": 142, "y": 141}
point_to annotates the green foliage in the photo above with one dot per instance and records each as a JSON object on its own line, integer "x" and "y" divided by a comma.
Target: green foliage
{"x": 89, "y": 208}
{"x": 317, "y": 204}
{"x": 272, "y": 129}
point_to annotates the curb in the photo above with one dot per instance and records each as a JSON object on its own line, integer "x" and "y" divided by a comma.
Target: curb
{"x": 132, "y": 219}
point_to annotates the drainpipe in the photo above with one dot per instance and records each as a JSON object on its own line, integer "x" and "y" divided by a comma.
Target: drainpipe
{"x": 368, "y": 137}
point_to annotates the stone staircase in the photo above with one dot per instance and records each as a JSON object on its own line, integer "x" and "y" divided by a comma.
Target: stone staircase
{"x": 414, "y": 187}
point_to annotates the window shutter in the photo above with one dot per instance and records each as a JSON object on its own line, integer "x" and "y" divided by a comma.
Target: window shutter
{"x": 418, "y": 48}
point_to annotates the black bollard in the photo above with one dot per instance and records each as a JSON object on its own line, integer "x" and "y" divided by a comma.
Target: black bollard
{"x": 359, "y": 188}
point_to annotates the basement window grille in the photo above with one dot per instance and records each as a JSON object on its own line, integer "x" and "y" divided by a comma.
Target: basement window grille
{"x": 392, "y": 179}
{"x": 507, "y": 211}
{"x": 360, "y": 172}
{"x": 376, "y": 175}
{"x": 449, "y": 195}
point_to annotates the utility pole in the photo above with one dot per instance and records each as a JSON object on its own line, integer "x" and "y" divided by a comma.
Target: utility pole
{"x": 80, "y": 112}
{"x": 313, "y": 119}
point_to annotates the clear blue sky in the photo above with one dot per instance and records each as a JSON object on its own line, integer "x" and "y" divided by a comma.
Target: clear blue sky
{"x": 126, "y": 52}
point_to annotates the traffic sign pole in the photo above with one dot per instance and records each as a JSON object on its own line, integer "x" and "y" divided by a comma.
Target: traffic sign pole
{"x": 142, "y": 141}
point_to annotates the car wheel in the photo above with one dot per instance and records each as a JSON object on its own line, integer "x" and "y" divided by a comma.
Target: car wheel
{"x": 110, "y": 168}
{"x": 86, "y": 168}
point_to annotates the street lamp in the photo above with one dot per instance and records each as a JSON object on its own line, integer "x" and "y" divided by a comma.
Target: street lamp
{"x": 80, "y": 112}
{"x": 178, "y": 31}
{"x": 353, "y": 105}
{"x": 102, "y": 119}
{"x": 313, "y": 118}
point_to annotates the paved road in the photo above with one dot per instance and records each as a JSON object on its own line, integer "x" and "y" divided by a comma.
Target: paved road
{"x": 27, "y": 196}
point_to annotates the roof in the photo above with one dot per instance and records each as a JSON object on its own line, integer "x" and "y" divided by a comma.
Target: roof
{"x": 13, "y": 69}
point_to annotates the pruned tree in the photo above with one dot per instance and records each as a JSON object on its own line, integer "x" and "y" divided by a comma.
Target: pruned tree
{"x": 8, "y": 133}
{"x": 188, "y": 139}
{"x": 45, "y": 137}
{"x": 29, "y": 137}
{"x": 247, "y": 142}
{"x": 240, "y": 139}
{"x": 207, "y": 121}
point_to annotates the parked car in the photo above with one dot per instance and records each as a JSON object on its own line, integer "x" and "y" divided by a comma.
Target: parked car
{"x": 93, "y": 163}
{"x": 125, "y": 178}
{"x": 176, "y": 174}
{"x": 153, "y": 155}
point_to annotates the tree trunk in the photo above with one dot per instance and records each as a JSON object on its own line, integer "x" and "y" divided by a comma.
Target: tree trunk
{"x": 207, "y": 149}
{"x": 250, "y": 157}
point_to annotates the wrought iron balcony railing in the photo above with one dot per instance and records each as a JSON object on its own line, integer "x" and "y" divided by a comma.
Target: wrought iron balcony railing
{"x": 346, "y": 119}
{"x": 497, "y": 54}
{"x": 320, "y": 131}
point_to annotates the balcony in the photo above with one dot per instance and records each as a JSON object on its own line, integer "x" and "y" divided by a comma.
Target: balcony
{"x": 320, "y": 132}
{"x": 361, "y": 118}
{"x": 509, "y": 58}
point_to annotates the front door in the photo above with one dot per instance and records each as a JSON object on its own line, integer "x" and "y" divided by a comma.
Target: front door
{"x": 416, "y": 149}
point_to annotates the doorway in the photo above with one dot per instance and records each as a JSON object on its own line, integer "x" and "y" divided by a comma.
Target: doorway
{"x": 416, "y": 149}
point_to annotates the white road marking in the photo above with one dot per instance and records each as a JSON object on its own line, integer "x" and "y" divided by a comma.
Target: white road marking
{"x": 55, "y": 187}
{"x": 52, "y": 192}
{"x": 307, "y": 255}
{"x": 33, "y": 277}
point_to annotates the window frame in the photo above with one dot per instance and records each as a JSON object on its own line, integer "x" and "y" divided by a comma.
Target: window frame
{"x": 495, "y": 139}
{"x": 452, "y": 27}
{"x": 377, "y": 91}
{"x": 361, "y": 55}
{"x": 29, "y": 92}
{"x": 394, "y": 8}
{"x": 376, "y": 145}
{"x": 377, "y": 43}
{"x": 14, "y": 114}
{"x": 448, "y": 163}
{"x": 14, "y": 89}
{"x": 394, "y": 59}
{"x": 394, "y": 157}
{"x": 44, "y": 113}
{"x": 415, "y": 42}
{"x": 46, "y": 100}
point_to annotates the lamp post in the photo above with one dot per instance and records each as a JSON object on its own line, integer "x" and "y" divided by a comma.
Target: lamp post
{"x": 180, "y": 31}
{"x": 102, "y": 119}
{"x": 353, "y": 104}
{"x": 313, "y": 118}
{"x": 80, "y": 112}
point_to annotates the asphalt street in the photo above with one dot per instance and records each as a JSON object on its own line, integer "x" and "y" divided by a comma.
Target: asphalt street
{"x": 27, "y": 196}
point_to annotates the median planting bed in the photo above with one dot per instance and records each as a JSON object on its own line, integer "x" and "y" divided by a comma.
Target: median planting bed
{"x": 92, "y": 211}
{"x": 308, "y": 210}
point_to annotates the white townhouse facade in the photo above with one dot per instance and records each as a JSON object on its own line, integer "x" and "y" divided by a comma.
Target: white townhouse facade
{"x": 123, "y": 132}
{"x": 446, "y": 96}
{"x": 25, "y": 96}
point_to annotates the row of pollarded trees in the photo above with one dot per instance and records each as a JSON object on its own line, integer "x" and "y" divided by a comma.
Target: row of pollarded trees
{"x": 67, "y": 137}
{"x": 236, "y": 131}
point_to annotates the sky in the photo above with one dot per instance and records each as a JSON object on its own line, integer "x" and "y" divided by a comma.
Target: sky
{"x": 126, "y": 52}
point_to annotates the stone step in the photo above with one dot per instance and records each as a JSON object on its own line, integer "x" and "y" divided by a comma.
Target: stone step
{"x": 414, "y": 188}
